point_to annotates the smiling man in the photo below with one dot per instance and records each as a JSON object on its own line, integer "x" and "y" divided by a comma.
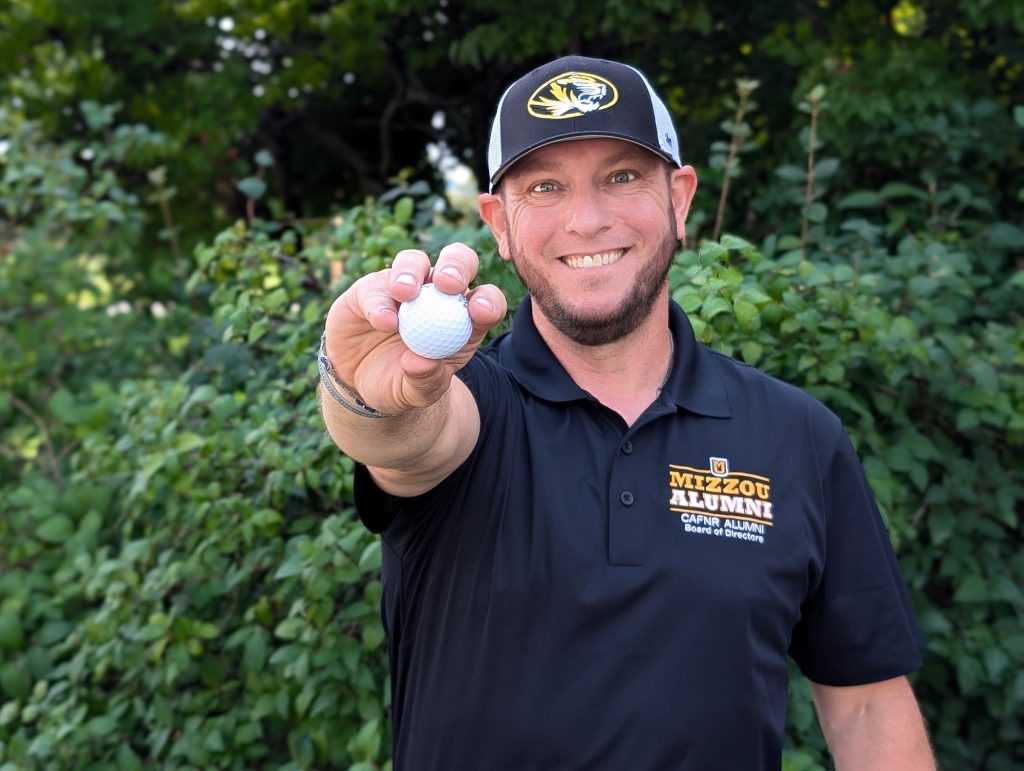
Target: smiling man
{"x": 603, "y": 541}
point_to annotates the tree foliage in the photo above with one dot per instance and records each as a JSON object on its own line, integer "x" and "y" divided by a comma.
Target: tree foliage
{"x": 346, "y": 96}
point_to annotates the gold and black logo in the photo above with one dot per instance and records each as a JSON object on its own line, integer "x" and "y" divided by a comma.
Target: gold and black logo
{"x": 721, "y": 502}
{"x": 571, "y": 95}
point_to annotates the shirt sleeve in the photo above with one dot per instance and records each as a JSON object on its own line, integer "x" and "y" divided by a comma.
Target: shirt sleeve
{"x": 857, "y": 624}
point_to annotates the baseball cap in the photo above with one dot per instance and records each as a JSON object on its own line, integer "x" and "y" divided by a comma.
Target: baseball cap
{"x": 577, "y": 97}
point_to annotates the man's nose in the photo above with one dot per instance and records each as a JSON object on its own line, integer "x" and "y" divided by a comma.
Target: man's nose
{"x": 588, "y": 212}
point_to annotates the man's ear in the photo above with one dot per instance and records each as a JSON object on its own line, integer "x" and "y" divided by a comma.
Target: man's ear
{"x": 492, "y": 212}
{"x": 683, "y": 184}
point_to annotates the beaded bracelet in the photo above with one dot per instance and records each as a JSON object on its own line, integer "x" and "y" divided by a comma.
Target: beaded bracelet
{"x": 354, "y": 403}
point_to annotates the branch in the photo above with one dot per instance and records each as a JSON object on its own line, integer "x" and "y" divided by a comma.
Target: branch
{"x": 52, "y": 458}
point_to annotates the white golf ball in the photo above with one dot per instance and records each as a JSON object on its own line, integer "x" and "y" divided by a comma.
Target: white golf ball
{"x": 435, "y": 325}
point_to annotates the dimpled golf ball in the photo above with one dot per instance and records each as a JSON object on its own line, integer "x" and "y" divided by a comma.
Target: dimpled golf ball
{"x": 435, "y": 325}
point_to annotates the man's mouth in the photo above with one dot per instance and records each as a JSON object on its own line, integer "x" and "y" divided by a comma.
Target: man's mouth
{"x": 594, "y": 260}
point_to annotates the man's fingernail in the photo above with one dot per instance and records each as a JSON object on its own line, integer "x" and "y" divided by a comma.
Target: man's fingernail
{"x": 453, "y": 272}
{"x": 483, "y": 302}
{"x": 405, "y": 278}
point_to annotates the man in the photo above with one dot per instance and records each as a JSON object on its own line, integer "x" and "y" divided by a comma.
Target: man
{"x": 602, "y": 540}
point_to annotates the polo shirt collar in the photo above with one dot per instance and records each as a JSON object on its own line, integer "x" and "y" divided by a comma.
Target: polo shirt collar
{"x": 693, "y": 384}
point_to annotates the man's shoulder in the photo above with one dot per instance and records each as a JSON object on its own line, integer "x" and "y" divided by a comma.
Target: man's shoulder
{"x": 752, "y": 390}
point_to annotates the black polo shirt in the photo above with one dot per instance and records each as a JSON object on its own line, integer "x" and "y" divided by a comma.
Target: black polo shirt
{"x": 583, "y": 594}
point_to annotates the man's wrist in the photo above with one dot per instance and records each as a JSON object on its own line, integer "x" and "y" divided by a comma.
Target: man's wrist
{"x": 341, "y": 393}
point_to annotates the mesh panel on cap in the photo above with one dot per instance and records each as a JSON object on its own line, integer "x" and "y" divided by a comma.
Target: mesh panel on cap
{"x": 494, "y": 146}
{"x": 663, "y": 121}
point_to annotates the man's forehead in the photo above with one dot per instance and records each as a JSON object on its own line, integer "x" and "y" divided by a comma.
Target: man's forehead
{"x": 608, "y": 150}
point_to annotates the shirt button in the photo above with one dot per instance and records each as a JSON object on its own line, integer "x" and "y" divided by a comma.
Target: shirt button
{"x": 626, "y": 497}
{"x": 627, "y": 447}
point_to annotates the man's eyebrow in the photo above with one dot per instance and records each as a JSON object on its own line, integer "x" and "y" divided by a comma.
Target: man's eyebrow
{"x": 631, "y": 153}
{"x": 634, "y": 154}
{"x": 531, "y": 165}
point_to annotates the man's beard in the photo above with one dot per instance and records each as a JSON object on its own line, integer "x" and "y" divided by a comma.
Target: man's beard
{"x": 607, "y": 328}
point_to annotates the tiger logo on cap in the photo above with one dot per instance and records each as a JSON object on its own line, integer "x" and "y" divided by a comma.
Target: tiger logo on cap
{"x": 571, "y": 95}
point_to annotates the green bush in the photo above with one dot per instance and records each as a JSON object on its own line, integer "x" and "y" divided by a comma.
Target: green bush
{"x": 183, "y": 582}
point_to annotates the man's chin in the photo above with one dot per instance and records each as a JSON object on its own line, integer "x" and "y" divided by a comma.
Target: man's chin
{"x": 592, "y": 326}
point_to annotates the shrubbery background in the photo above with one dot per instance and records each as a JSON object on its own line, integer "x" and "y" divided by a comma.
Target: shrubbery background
{"x": 183, "y": 583}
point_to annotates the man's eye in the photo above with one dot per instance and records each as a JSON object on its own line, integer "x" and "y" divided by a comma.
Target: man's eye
{"x": 544, "y": 187}
{"x": 623, "y": 176}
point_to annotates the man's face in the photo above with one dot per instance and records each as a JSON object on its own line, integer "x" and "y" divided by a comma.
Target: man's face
{"x": 591, "y": 226}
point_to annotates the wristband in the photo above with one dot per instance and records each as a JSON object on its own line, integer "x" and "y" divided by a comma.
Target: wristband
{"x": 354, "y": 403}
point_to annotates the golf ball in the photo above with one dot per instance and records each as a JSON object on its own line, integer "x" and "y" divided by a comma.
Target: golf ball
{"x": 435, "y": 325}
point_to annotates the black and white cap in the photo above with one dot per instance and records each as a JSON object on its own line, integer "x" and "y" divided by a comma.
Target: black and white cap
{"x": 577, "y": 97}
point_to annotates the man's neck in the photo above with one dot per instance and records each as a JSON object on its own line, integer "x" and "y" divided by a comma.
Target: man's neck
{"x": 625, "y": 375}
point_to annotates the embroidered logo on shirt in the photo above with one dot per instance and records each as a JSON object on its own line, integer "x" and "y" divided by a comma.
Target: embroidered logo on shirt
{"x": 721, "y": 503}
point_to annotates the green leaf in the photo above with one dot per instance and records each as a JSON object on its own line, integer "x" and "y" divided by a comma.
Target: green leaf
{"x": 56, "y": 529}
{"x": 969, "y": 674}
{"x": 14, "y": 680}
{"x": 815, "y": 212}
{"x": 252, "y": 187}
{"x": 254, "y": 652}
{"x": 214, "y": 741}
{"x": 97, "y": 116}
{"x": 798, "y": 760}
{"x": 996, "y": 663}
{"x": 984, "y": 375}
{"x": 826, "y": 167}
{"x": 714, "y": 306}
{"x": 972, "y": 589}
{"x": 755, "y": 295}
{"x": 102, "y": 725}
{"x": 62, "y": 404}
{"x": 258, "y": 330}
{"x": 1005, "y": 235}
{"x": 711, "y": 253}
{"x": 902, "y": 190}
{"x": 688, "y": 298}
{"x": 751, "y": 351}
{"x": 187, "y": 441}
{"x": 843, "y": 273}
{"x": 290, "y": 567}
{"x": 747, "y": 316}
{"x": 404, "y": 209}
{"x": 1014, "y": 644}
{"x": 11, "y": 634}
{"x": 8, "y": 714}
{"x": 791, "y": 173}
{"x": 366, "y": 743}
{"x": 735, "y": 243}
{"x": 206, "y": 631}
{"x": 290, "y": 628}
{"x": 861, "y": 199}
{"x": 967, "y": 419}
{"x": 370, "y": 559}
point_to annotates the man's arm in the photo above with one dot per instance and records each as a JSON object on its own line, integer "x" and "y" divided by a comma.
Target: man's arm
{"x": 411, "y": 452}
{"x": 432, "y": 421}
{"x": 873, "y": 726}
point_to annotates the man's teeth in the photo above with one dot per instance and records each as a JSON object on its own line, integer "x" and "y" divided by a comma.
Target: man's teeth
{"x": 593, "y": 260}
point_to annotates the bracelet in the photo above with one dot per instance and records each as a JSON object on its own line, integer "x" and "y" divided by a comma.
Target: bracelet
{"x": 354, "y": 403}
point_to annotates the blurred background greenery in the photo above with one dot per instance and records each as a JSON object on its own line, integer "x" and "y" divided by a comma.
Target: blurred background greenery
{"x": 185, "y": 186}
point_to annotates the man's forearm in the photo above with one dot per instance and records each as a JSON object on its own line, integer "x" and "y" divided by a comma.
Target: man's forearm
{"x": 411, "y": 452}
{"x": 875, "y": 726}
